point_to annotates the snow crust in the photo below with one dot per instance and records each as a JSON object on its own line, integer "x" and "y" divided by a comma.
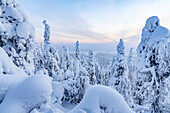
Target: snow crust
{"x": 102, "y": 96}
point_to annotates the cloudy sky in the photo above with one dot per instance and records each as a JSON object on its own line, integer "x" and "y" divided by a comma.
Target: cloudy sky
{"x": 95, "y": 21}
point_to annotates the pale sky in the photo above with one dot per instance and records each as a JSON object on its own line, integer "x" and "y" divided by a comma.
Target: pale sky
{"x": 95, "y": 21}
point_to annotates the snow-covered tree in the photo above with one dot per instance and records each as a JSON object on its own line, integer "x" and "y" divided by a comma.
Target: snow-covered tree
{"x": 77, "y": 51}
{"x": 67, "y": 64}
{"x": 91, "y": 68}
{"x": 153, "y": 66}
{"x": 50, "y": 56}
{"x": 17, "y": 35}
{"x": 38, "y": 60}
{"x": 80, "y": 77}
{"x": 119, "y": 78}
{"x": 46, "y": 33}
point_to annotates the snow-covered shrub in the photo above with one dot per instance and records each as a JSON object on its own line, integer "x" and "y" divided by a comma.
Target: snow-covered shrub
{"x": 153, "y": 66}
{"x": 17, "y": 35}
{"x": 58, "y": 93}
{"x": 70, "y": 90}
{"x": 102, "y": 99}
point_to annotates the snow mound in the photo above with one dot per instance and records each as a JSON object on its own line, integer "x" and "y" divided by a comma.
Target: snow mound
{"x": 8, "y": 66}
{"x": 9, "y": 73}
{"x": 29, "y": 94}
{"x": 100, "y": 98}
{"x": 25, "y": 29}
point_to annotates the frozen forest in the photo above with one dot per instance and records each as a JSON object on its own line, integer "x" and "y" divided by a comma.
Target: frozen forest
{"x": 38, "y": 78}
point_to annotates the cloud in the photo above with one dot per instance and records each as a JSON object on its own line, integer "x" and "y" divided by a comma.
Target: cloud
{"x": 95, "y": 20}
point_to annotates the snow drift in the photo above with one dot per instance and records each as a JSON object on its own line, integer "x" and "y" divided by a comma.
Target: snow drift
{"x": 100, "y": 98}
{"x": 9, "y": 74}
{"x": 18, "y": 92}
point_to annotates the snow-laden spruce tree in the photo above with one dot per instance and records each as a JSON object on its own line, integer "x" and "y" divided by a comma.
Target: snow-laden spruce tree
{"x": 91, "y": 68}
{"x": 76, "y": 63}
{"x": 38, "y": 60}
{"x": 17, "y": 35}
{"x": 153, "y": 66}
{"x": 50, "y": 56}
{"x": 67, "y": 64}
{"x": 46, "y": 33}
{"x": 119, "y": 76}
{"x": 77, "y": 50}
{"x": 80, "y": 75}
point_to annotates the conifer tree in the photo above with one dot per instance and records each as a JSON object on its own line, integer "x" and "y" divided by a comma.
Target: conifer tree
{"x": 152, "y": 69}
{"x": 17, "y": 35}
{"x": 119, "y": 78}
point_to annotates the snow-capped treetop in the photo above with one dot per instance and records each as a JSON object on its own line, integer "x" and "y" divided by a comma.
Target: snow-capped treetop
{"x": 121, "y": 47}
{"x": 77, "y": 50}
{"x": 153, "y": 32}
{"x": 46, "y": 33}
{"x": 152, "y": 35}
{"x": 152, "y": 23}
{"x": 91, "y": 54}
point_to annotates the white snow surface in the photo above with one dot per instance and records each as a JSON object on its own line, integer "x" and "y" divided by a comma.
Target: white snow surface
{"x": 160, "y": 34}
{"x": 30, "y": 93}
{"x": 14, "y": 13}
{"x": 25, "y": 29}
{"x": 99, "y": 95}
{"x": 9, "y": 73}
